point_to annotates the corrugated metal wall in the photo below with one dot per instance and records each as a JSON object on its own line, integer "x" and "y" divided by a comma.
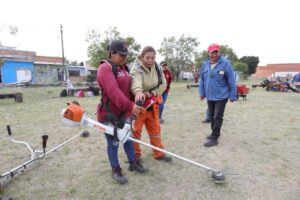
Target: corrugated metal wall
{"x": 9, "y": 70}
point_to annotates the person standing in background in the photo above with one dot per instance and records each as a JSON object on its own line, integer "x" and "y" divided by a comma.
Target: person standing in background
{"x": 168, "y": 76}
{"x": 217, "y": 85}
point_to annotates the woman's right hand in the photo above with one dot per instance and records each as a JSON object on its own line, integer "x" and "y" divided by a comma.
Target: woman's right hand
{"x": 139, "y": 96}
{"x": 137, "y": 110}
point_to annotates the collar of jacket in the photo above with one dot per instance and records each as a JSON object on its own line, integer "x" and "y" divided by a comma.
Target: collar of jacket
{"x": 219, "y": 60}
{"x": 145, "y": 69}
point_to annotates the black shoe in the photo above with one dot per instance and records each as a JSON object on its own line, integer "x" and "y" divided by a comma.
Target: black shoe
{"x": 206, "y": 121}
{"x": 137, "y": 166}
{"x": 118, "y": 176}
{"x": 165, "y": 158}
{"x": 211, "y": 142}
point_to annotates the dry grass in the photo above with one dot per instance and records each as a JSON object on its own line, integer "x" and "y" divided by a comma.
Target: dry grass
{"x": 259, "y": 150}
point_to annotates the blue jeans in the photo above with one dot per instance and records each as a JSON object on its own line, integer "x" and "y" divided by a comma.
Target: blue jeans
{"x": 112, "y": 150}
{"x": 162, "y": 105}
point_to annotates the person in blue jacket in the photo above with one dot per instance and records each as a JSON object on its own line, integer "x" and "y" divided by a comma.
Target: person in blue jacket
{"x": 217, "y": 85}
{"x": 296, "y": 78}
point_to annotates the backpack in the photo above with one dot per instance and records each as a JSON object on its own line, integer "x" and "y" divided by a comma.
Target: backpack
{"x": 113, "y": 66}
{"x": 63, "y": 93}
{"x": 80, "y": 93}
{"x": 159, "y": 75}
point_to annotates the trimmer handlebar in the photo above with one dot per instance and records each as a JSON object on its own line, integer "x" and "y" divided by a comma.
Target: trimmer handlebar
{"x": 45, "y": 138}
{"x": 8, "y": 130}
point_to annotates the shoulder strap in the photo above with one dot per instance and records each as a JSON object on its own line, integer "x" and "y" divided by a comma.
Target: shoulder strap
{"x": 112, "y": 65}
{"x": 159, "y": 77}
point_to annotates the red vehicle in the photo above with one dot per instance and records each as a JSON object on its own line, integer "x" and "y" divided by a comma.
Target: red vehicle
{"x": 242, "y": 91}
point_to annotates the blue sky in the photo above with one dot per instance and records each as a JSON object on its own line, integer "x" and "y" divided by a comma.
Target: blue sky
{"x": 268, "y": 29}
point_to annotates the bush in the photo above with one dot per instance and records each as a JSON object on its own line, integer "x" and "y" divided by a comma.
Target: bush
{"x": 91, "y": 78}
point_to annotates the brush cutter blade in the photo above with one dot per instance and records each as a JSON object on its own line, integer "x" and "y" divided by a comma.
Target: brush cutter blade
{"x": 218, "y": 177}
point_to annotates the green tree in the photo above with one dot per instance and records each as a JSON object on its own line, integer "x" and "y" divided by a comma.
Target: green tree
{"x": 97, "y": 48}
{"x": 179, "y": 53}
{"x": 240, "y": 67}
{"x": 252, "y": 62}
{"x": 228, "y": 53}
{"x": 200, "y": 58}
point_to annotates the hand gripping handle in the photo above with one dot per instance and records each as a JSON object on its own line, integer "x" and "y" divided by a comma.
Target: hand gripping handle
{"x": 45, "y": 138}
{"x": 8, "y": 130}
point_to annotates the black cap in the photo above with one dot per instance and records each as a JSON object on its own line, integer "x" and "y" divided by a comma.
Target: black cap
{"x": 119, "y": 46}
{"x": 163, "y": 63}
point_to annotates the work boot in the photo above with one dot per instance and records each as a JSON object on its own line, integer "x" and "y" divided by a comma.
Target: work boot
{"x": 137, "y": 166}
{"x": 211, "y": 142}
{"x": 118, "y": 176}
{"x": 165, "y": 158}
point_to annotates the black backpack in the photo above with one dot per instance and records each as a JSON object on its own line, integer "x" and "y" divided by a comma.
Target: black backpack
{"x": 114, "y": 66}
{"x": 159, "y": 75}
{"x": 63, "y": 93}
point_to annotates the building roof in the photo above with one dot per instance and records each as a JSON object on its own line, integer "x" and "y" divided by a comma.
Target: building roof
{"x": 48, "y": 60}
{"x": 11, "y": 53}
{"x": 270, "y": 69}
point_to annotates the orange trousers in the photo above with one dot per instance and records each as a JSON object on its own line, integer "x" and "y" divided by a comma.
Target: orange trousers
{"x": 151, "y": 121}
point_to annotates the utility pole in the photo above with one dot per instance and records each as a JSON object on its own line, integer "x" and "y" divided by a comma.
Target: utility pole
{"x": 63, "y": 53}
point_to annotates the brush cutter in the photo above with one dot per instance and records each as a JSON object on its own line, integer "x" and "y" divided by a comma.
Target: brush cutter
{"x": 74, "y": 115}
{"x": 36, "y": 155}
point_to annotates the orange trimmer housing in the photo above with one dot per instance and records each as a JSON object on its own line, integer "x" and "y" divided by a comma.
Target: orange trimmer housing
{"x": 74, "y": 112}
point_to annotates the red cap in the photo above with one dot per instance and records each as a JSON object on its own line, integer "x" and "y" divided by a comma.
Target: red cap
{"x": 213, "y": 47}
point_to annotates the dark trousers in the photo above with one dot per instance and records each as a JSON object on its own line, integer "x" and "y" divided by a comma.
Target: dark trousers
{"x": 216, "y": 112}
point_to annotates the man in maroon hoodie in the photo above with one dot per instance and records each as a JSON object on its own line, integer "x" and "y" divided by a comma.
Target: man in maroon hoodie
{"x": 169, "y": 78}
{"x": 115, "y": 83}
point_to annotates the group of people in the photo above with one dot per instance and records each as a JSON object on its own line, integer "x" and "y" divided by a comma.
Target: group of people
{"x": 123, "y": 91}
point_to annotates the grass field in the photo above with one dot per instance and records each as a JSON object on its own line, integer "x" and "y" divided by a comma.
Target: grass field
{"x": 259, "y": 150}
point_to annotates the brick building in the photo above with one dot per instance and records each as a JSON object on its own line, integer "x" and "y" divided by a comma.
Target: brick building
{"x": 275, "y": 70}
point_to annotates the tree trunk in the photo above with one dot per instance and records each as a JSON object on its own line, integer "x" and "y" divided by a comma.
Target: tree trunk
{"x": 18, "y": 97}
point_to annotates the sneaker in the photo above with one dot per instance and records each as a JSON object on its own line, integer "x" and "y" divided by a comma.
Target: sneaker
{"x": 206, "y": 121}
{"x": 165, "y": 157}
{"x": 161, "y": 121}
{"x": 211, "y": 142}
{"x": 118, "y": 176}
{"x": 137, "y": 166}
